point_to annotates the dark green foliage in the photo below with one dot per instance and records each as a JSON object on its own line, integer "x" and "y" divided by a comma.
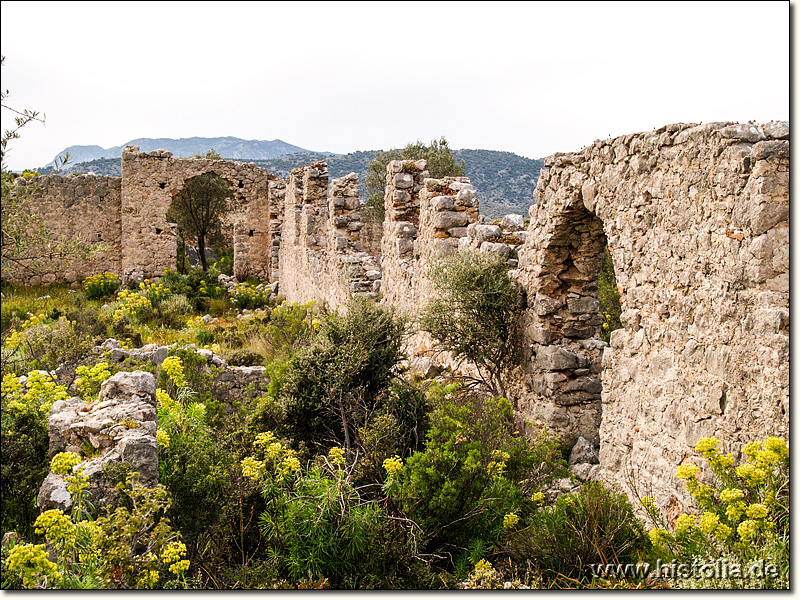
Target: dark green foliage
{"x": 198, "y": 209}
{"x": 608, "y": 295}
{"x": 24, "y": 466}
{"x": 474, "y": 313}
{"x": 245, "y": 357}
{"x": 474, "y": 470}
{"x": 594, "y": 526}
{"x": 321, "y": 527}
{"x": 334, "y": 385}
{"x": 438, "y": 155}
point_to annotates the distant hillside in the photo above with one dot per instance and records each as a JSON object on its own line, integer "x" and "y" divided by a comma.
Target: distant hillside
{"x": 229, "y": 147}
{"x": 505, "y": 181}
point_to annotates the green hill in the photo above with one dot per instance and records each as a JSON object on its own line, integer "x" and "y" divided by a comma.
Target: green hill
{"x": 505, "y": 181}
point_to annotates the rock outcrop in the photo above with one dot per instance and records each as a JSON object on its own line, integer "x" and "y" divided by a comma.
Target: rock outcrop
{"x": 119, "y": 429}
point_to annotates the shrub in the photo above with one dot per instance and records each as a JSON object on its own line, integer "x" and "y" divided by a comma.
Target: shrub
{"x": 283, "y": 329}
{"x": 594, "y": 526}
{"x": 335, "y": 384}
{"x": 475, "y": 470}
{"x": 101, "y": 286}
{"x": 245, "y": 357}
{"x": 47, "y": 344}
{"x": 25, "y": 444}
{"x": 247, "y": 295}
{"x": 474, "y": 314}
{"x": 177, "y": 304}
{"x": 317, "y": 524}
{"x": 744, "y": 516}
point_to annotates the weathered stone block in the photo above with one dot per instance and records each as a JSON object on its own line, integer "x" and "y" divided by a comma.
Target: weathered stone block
{"x": 553, "y": 357}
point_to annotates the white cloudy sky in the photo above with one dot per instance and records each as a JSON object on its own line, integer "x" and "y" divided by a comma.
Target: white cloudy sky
{"x": 527, "y": 77}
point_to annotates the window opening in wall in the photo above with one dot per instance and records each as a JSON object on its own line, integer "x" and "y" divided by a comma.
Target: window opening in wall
{"x": 608, "y": 295}
{"x": 241, "y": 184}
{"x": 162, "y": 185}
{"x": 158, "y": 231}
{"x": 252, "y": 233}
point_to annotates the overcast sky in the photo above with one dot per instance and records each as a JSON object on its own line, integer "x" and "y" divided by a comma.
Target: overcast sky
{"x": 527, "y": 77}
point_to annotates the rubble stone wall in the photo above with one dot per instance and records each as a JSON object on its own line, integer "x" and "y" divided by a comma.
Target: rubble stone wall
{"x": 149, "y": 183}
{"x": 696, "y": 218}
{"x": 81, "y": 207}
{"x": 319, "y": 255}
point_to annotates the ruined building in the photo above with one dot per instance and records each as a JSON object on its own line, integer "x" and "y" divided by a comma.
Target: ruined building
{"x": 696, "y": 218}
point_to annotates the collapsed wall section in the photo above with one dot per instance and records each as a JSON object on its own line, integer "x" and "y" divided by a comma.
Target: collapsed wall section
{"x": 696, "y": 219}
{"x": 86, "y": 208}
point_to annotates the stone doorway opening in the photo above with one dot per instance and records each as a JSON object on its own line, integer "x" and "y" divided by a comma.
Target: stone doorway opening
{"x": 201, "y": 211}
{"x": 564, "y": 331}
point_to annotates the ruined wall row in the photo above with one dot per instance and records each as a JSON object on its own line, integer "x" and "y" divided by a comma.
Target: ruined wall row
{"x": 319, "y": 253}
{"x": 149, "y": 183}
{"x": 79, "y": 207}
{"x": 696, "y": 217}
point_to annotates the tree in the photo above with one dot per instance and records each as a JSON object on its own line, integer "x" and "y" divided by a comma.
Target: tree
{"x": 474, "y": 314}
{"x": 441, "y": 163}
{"x": 198, "y": 209}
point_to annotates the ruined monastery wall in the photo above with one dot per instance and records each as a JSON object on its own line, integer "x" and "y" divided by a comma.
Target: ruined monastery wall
{"x": 697, "y": 221}
{"x": 696, "y": 218}
{"x": 149, "y": 183}
{"x": 82, "y": 207}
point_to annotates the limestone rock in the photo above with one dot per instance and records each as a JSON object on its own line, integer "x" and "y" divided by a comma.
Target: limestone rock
{"x": 583, "y": 452}
{"x": 120, "y": 426}
{"x": 512, "y": 222}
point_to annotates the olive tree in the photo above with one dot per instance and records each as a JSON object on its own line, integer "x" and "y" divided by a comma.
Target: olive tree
{"x": 474, "y": 313}
{"x": 198, "y": 209}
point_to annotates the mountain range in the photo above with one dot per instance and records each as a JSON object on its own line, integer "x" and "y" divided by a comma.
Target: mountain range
{"x": 505, "y": 181}
{"x": 229, "y": 147}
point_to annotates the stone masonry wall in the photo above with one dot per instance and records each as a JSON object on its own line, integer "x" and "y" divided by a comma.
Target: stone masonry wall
{"x": 84, "y": 207}
{"x": 149, "y": 183}
{"x": 399, "y": 252}
{"x": 696, "y": 218}
{"x": 319, "y": 256}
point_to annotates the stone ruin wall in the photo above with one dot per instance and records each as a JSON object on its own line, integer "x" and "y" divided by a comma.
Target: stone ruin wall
{"x": 149, "y": 183}
{"x": 319, "y": 256}
{"x": 696, "y": 217}
{"x": 83, "y": 207}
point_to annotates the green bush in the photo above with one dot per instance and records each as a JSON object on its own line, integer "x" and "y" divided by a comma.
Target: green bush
{"x": 25, "y": 443}
{"x": 475, "y": 470}
{"x": 594, "y": 526}
{"x": 247, "y": 295}
{"x": 333, "y": 385}
{"x": 744, "y": 516}
{"x": 245, "y": 357}
{"x": 101, "y": 286}
{"x": 474, "y": 314}
{"x": 317, "y": 522}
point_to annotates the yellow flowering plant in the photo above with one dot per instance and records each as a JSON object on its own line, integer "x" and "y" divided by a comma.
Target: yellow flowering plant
{"x": 745, "y": 510}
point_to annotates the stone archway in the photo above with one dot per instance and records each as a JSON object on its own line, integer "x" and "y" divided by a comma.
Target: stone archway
{"x": 697, "y": 216}
{"x": 149, "y": 183}
{"x": 203, "y": 212}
